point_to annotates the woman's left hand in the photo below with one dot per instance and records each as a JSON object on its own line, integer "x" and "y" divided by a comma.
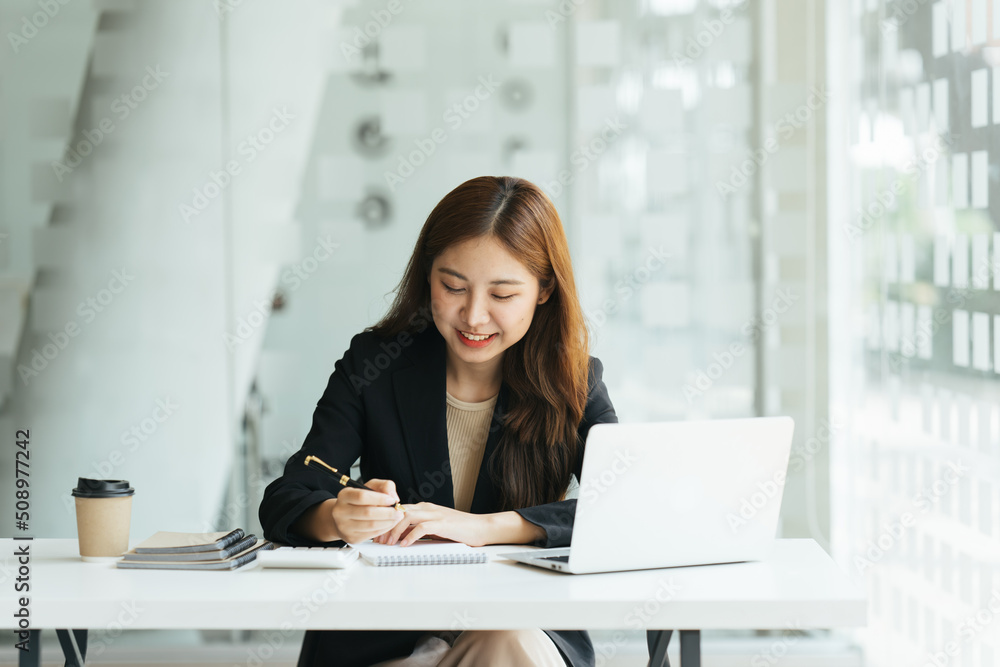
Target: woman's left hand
{"x": 430, "y": 520}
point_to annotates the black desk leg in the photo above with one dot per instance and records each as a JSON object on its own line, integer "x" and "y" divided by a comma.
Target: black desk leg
{"x": 33, "y": 656}
{"x": 657, "y": 641}
{"x": 74, "y": 646}
{"x": 690, "y": 648}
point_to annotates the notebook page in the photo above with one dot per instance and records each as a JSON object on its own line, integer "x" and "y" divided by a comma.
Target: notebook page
{"x": 164, "y": 539}
{"x": 418, "y": 548}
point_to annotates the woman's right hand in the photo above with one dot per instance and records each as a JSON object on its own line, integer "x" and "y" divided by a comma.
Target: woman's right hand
{"x": 361, "y": 514}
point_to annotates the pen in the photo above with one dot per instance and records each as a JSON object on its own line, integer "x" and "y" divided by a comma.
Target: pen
{"x": 318, "y": 464}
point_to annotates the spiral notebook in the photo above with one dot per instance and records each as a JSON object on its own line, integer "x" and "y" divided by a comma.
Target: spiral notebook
{"x": 421, "y": 552}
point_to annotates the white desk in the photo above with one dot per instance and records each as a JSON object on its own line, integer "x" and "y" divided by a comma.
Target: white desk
{"x": 798, "y": 586}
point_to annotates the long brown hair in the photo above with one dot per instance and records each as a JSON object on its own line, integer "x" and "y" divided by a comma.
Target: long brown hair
{"x": 546, "y": 371}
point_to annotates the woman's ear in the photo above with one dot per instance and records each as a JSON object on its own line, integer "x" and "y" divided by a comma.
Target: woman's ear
{"x": 545, "y": 293}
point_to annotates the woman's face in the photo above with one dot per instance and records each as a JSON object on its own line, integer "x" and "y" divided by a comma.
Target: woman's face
{"x": 478, "y": 287}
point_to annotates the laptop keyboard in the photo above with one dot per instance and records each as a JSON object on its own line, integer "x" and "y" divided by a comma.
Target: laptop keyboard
{"x": 561, "y": 559}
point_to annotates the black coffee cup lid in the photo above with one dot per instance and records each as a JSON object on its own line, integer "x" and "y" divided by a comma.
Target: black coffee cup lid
{"x": 102, "y": 488}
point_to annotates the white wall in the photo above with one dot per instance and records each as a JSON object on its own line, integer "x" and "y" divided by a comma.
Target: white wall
{"x": 160, "y": 340}
{"x": 119, "y": 214}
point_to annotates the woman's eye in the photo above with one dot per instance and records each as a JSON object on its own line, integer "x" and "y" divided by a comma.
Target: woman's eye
{"x": 457, "y": 290}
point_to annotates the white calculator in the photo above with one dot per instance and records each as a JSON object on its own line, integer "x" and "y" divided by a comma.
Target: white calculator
{"x": 309, "y": 557}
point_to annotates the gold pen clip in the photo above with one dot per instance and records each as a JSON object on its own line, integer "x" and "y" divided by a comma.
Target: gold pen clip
{"x": 342, "y": 478}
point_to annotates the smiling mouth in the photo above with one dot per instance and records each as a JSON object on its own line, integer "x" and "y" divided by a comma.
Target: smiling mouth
{"x": 476, "y": 337}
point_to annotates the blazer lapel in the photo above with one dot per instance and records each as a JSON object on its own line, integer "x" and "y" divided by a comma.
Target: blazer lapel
{"x": 420, "y": 399}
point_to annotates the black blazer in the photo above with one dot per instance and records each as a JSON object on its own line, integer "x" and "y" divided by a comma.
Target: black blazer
{"x": 385, "y": 403}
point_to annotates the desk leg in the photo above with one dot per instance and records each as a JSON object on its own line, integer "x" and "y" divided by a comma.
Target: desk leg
{"x": 74, "y": 646}
{"x": 33, "y": 656}
{"x": 690, "y": 648}
{"x": 657, "y": 641}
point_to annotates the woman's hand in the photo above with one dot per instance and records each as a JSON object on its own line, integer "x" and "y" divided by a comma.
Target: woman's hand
{"x": 430, "y": 520}
{"x": 360, "y": 514}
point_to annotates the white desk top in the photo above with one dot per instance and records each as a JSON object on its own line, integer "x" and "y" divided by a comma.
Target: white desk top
{"x": 798, "y": 586}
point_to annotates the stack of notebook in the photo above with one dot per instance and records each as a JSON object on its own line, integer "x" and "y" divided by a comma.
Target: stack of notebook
{"x": 225, "y": 550}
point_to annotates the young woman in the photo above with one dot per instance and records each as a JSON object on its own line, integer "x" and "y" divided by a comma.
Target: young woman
{"x": 470, "y": 403}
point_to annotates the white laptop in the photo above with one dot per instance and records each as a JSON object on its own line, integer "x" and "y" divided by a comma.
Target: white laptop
{"x": 668, "y": 494}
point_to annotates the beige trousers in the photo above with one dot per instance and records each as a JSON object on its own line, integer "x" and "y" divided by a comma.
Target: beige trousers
{"x": 477, "y": 648}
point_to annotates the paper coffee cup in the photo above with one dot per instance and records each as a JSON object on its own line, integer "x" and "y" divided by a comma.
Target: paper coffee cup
{"x": 103, "y": 517}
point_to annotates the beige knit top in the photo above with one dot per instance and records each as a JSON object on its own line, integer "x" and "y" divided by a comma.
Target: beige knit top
{"x": 468, "y": 428}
